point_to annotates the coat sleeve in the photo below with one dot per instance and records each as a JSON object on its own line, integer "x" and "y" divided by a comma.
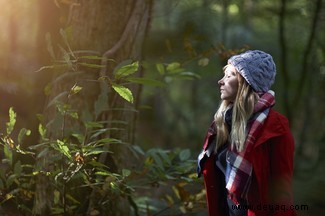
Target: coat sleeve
{"x": 281, "y": 167}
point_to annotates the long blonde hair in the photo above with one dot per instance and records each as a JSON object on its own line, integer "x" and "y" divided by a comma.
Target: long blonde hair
{"x": 243, "y": 108}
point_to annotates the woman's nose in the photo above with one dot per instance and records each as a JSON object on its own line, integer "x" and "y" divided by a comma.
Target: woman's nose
{"x": 220, "y": 82}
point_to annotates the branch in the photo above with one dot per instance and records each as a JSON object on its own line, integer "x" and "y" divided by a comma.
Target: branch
{"x": 132, "y": 23}
{"x": 308, "y": 48}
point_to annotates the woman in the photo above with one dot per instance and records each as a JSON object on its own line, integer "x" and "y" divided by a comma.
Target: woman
{"x": 247, "y": 157}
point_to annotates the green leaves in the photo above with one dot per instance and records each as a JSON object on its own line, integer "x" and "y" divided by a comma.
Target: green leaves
{"x": 74, "y": 90}
{"x": 126, "y": 172}
{"x": 126, "y": 70}
{"x": 166, "y": 164}
{"x": 185, "y": 154}
{"x": 121, "y": 73}
{"x": 22, "y": 133}
{"x": 42, "y": 131}
{"x": 175, "y": 70}
{"x": 12, "y": 121}
{"x": 123, "y": 92}
{"x": 174, "y": 67}
{"x": 76, "y": 152}
{"x": 122, "y": 76}
{"x": 161, "y": 69}
{"x": 62, "y": 148}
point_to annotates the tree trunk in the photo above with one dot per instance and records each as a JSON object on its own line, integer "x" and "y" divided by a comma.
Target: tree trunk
{"x": 283, "y": 65}
{"x": 115, "y": 30}
{"x": 305, "y": 87}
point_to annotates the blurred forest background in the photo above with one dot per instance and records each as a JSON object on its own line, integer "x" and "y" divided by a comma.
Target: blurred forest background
{"x": 111, "y": 99}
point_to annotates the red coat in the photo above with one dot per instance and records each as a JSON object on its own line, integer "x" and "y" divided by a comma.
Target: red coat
{"x": 270, "y": 192}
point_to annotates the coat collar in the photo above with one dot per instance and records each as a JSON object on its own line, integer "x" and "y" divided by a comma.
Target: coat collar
{"x": 275, "y": 125}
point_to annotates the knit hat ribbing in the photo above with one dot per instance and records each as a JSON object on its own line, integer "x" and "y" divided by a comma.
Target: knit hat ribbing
{"x": 257, "y": 67}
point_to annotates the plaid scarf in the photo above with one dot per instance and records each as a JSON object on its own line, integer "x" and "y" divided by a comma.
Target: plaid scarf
{"x": 239, "y": 169}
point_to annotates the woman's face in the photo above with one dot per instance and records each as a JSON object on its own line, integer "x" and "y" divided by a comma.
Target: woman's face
{"x": 229, "y": 84}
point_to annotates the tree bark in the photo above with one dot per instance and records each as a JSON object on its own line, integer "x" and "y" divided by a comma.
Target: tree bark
{"x": 307, "y": 52}
{"x": 283, "y": 62}
{"x": 304, "y": 83}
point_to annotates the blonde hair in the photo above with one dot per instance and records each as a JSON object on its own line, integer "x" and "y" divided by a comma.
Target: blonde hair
{"x": 243, "y": 108}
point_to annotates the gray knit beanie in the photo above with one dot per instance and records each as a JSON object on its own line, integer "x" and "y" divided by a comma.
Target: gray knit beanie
{"x": 257, "y": 67}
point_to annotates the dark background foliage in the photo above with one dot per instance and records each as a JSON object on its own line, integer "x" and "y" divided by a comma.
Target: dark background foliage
{"x": 183, "y": 47}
